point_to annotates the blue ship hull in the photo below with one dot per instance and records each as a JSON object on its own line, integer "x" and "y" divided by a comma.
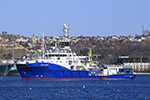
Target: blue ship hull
{"x": 48, "y": 71}
{"x": 119, "y": 77}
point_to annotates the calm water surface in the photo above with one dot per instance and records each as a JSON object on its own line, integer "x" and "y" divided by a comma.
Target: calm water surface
{"x": 13, "y": 88}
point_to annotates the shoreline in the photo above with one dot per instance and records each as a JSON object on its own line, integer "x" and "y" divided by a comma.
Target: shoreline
{"x": 142, "y": 73}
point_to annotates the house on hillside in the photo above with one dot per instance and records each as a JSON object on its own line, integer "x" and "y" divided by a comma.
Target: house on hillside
{"x": 147, "y": 36}
{"x": 122, "y": 38}
{"x": 115, "y": 37}
{"x": 143, "y": 37}
{"x": 130, "y": 38}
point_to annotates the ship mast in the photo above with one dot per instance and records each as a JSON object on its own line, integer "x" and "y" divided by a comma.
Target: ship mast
{"x": 66, "y": 30}
{"x": 13, "y": 51}
{"x": 43, "y": 48}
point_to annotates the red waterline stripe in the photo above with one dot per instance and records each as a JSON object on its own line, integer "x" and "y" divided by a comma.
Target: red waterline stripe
{"x": 104, "y": 78}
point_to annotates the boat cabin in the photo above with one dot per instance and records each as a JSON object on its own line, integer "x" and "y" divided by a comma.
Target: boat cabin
{"x": 117, "y": 70}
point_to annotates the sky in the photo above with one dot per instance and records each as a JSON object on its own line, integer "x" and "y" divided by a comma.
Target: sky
{"x": 86, "y": 17}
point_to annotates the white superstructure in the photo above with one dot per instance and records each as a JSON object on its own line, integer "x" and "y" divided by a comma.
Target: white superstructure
{"x": 61, "y": 54}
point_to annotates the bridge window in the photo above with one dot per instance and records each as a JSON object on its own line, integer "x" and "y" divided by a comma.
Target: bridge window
{"x": 128, "y": 70}
{"x": 70, "y": 62}
{"x": 71, "y": 67}
{"x": 121, "y": 70}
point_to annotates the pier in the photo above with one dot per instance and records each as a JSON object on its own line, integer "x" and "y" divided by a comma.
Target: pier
{"x": 137, "y": 67}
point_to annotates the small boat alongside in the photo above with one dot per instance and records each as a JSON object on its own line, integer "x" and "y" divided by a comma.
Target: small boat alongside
{"x": 13, "y": 71}
{"x": 118, "y": 73}
{"x": 5, "y": 67}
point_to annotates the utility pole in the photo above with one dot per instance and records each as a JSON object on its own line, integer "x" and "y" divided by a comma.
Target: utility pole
{"x": 143, "y": 30}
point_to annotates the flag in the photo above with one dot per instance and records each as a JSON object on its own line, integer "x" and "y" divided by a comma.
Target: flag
{"x": 33, "y": 39}
{"x": 90, "y": 52}
{"x": 90, "y": 63}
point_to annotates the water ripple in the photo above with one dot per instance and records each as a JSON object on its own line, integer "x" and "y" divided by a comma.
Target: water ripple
{"x": 13, "y": 88}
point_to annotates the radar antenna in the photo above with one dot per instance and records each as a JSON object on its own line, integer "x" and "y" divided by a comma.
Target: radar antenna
{"x": 66, "y": 37}
{"x": 66, "y": 29}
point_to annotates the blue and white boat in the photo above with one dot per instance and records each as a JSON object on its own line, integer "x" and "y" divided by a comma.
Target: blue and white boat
{"x": 61, "y": 63}
{"x": 118, "y": 73}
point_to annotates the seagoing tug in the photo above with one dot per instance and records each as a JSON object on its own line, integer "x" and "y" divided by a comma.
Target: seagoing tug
{"x": 61, "y": 63}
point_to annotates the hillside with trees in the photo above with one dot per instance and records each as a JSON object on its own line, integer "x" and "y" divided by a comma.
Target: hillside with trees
{"x": 105, "y": 50}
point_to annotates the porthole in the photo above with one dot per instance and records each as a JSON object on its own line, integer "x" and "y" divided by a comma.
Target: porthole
{"x": 24, "y": 73}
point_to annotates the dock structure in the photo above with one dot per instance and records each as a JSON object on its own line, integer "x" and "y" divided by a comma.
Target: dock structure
{"x": 137, "y": 67}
